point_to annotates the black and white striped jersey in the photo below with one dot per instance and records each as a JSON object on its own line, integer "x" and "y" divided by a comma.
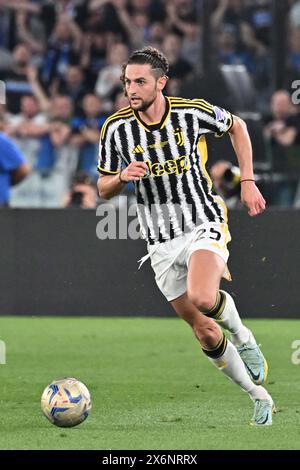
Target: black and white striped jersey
{"x": 176, "y": 194}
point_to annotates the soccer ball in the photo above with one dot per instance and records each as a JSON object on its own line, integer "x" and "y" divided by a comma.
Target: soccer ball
{"x": 66, "y": 402}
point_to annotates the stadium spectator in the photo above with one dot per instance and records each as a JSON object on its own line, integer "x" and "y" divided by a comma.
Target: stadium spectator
{"x": 154, "y": 9}
{"x": 284, "y": 126}
{"x": 257, "y": 25}
{"x": 104, "y": 17}
{"x": 62, "y": 50}
{"x": 15, "y": 78}
{"x": 180, "y": 15}
{"x": 283, "y": 135}
{"x": 135, "y": 24}
{"x": 242, "y": 36}
{"x": 13, "y": 168}
{"x": 93, "y": 56}
{"x": 109, "y": 76}
{"x": 156, "y": 33}
{"x": 179, "y": 67}
{"x": 228, "y": 50}
{"x": 24, "y": 127}
{"x": 85, "y": 133}
{"x": 30, "y": 112}
{"x": 31, "y": 32}
{"x": 47, "y": 12}
{"x": 226, "y": 181}
{"x": 9, "y": 34}
{"x": 60, "y": 121}
{"x": 73, "y": 84}
{"x": 75, "y": 10}
{"x": 56, "y": 133}
{"x": 251, "y": 20}
{"x": 120, "y": 101}
{"x": 228, "y": 12}
{"x": 53, "y": 130}
{"x": 192, "y": 46}
{"x": 82, "y": 193}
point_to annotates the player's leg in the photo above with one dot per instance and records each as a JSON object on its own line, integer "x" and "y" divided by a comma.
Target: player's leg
{"x": 207, "y": 332}
{"x": 243, "y": 338}
{"x": 220, "y": 306}
{"x": 223, "y": 354}
{"x": 205, "y": 294}
{"x": 214, "y": 344}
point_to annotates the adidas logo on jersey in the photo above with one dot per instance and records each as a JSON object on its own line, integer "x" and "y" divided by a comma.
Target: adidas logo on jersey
{"x": 138, "y": 149}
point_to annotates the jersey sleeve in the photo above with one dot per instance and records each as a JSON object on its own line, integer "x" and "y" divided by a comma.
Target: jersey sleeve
{"x": 215, "y": 119}
{"x": 109, "y": 161}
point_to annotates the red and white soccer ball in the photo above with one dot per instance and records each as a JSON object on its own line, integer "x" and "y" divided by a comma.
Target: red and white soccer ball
{"x": 66, "y": 402}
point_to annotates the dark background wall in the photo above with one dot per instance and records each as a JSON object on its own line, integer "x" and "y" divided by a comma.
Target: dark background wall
{"x": 52, "y": 263}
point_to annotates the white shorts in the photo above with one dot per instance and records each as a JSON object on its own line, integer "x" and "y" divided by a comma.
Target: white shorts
{"x": 170, "y": 260}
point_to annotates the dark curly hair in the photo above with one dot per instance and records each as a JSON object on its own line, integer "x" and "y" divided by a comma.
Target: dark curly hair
{"x": 148, "y": 55}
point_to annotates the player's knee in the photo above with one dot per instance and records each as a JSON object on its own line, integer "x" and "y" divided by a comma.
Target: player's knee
{"x": 204, "y": 301}
{"x": 208, "y": 337}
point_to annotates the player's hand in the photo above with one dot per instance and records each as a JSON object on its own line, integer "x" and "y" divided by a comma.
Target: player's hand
{"x": 252, "y": 198}
{"x": 134, "y": 171}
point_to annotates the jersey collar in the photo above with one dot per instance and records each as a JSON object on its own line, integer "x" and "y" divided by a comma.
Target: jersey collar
{"x": 156, "y": 125}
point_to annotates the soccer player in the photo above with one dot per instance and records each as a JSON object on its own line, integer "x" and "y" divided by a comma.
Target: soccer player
{"x": 161, "y": 140}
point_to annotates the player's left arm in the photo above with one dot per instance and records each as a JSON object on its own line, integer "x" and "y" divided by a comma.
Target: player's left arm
{"x": 250, "y": 194}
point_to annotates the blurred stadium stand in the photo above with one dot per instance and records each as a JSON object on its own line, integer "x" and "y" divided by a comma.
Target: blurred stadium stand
{"x": 234, "y": 53}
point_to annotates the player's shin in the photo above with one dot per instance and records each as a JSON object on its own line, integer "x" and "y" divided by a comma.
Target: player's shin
{"x": 225, "y": 313}
{"x": 226, "y": 358}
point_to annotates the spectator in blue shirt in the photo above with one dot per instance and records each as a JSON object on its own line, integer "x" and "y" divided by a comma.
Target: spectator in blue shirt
{"x": 85, "y": 131}
{"x": 13, "y": 168}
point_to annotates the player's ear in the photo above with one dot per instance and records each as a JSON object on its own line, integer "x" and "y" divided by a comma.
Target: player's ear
{"x": 161, "y": 82}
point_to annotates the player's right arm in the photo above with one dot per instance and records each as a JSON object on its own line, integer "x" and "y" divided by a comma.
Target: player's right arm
{"x": 112, "y": 177}
{"x": 111, "y": 185}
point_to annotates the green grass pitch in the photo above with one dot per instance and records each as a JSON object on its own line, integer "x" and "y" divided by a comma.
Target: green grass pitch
{"x": 152, "y": 387}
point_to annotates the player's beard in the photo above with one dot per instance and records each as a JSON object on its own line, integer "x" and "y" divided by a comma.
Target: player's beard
{"x": 144, "y": 105}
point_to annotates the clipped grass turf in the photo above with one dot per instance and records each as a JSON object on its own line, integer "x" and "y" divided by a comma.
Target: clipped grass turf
{"x": 152, "y": 387}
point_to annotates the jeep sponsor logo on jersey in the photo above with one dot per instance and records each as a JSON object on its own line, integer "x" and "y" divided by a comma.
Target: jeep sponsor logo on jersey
{"x": 175, "y": 166}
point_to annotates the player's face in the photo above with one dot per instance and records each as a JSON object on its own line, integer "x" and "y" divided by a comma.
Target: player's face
{"x": 141, "y": 86}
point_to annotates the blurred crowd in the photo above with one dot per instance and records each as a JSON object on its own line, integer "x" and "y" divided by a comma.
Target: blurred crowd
{"x": 61, "y": 62}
